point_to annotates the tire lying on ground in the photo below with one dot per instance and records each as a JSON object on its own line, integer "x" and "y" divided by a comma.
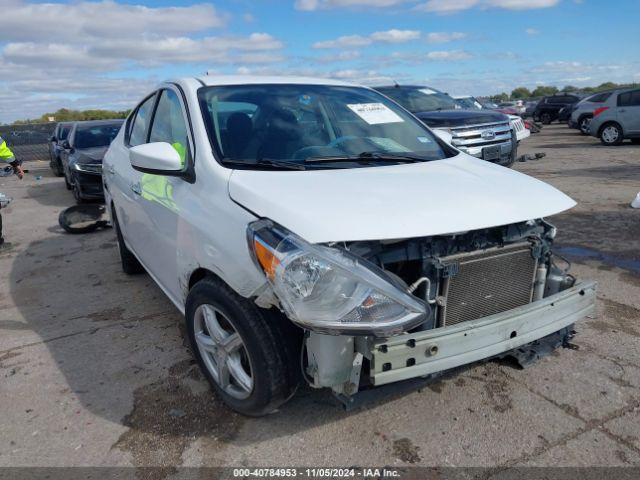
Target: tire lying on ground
{"x": 82, "y": 218}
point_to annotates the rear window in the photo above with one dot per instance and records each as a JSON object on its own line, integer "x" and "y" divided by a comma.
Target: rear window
{"x": 599, "y": 97}
{"x": 629, "y": 99}
{"x": 96, "y": 136}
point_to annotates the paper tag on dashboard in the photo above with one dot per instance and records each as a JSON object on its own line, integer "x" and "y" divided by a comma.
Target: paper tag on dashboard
{"x": 428, "y": 91}
{"x": 375, "y": 113}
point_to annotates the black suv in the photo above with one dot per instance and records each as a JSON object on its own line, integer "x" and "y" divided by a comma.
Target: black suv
{"x": 548, "y": 109}
{"x": 482, "y": 133}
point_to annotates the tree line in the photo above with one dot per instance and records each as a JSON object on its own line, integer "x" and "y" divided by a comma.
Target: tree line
{"x": 523, "y": 93}
{"x": 67, "y": 115}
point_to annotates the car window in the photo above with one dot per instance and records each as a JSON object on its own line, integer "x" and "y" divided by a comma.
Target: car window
{"x": 419, "y": 99}
{"x": 64, "y": 133}
{"x": 96, "y": 135}
{"x": 599, "y": 97}
{"x": 169, "y": 124}
{"x": 629, "y": 99}
{"x": 138, "y": 133}
{"x": 250, "y": 123}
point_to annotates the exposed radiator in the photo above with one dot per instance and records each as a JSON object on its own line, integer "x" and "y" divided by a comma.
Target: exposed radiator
{"x": 486, "y": 282}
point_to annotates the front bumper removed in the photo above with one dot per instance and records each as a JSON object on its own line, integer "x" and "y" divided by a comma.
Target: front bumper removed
{"x": 423, "y": 353}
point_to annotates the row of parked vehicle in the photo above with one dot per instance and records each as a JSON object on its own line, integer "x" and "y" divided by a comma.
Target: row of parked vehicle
{"x": 611, "y": 116}
{"x": 76, "y": 150}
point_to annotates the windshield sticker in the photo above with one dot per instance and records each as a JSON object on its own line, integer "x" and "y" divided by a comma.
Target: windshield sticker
{"x": 374, "y": 113}
{"x": 428, "y": 91}
{"x": 388, "y": 144}
{"x": 424, "y": 140}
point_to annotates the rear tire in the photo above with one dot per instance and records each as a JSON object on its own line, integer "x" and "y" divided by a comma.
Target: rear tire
{"x": 583, "y": 124}
{"x": 546, "y": 118}
{"x": 611, "y": 134}
{"x": 130, "y": 264}
{"x": 249, "y": 355}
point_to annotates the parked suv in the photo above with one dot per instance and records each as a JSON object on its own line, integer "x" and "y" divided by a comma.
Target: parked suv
{"x": 60, "y": 134}
{"x": 482, "y": 133}
{"x": 312, "y": 230}
{"x": 617, "y": 118}
{"x": 81, "y": 157}
{"x": 583, "y": 111}
{"x": 549, "y": 107}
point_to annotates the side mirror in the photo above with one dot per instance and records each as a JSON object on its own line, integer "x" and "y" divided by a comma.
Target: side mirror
{"x": 443, "y": 135}
{"x": 158, "y": 158}
{"x": 53, "y": 138}
{"x": 66, "y": 145}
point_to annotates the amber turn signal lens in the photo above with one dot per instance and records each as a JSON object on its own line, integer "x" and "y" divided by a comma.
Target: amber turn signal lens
{"x": 266, "y": 258}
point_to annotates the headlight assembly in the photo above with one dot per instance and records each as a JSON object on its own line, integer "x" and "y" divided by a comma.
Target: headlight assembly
{"x": 88, "y": 167}
{"x": 327, "y": 289}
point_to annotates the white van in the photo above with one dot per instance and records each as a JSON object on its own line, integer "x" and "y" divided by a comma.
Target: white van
{"x": 313, "y": 230}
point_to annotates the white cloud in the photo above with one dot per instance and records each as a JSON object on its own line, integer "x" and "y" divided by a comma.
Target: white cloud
{"x": 344, "y": 41}
{"x": 521, "y": 4}
{"x": 445, "y": 37}
{"x": 343, "y": 56}
{"x": 388, "y": 36}
{"x": 532, "y": 31}
{"x": 74, "y": 22}
{"x": 446, "y": 6}
{"x": 311, "y": 5}
{"x": 449, "y": 55}
{"x": 454, "y": 6}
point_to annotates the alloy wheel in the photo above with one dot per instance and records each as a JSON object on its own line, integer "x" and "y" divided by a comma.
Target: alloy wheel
{"x": 610, "y": 134}
{"x": 223, "y": 351}
{"x": 584, "y": 125}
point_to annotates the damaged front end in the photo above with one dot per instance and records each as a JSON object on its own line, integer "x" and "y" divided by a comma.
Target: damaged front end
{"x": 416, "y": 307}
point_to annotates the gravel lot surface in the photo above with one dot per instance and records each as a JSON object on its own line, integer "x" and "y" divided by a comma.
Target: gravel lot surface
{"x": 94, "y": 369}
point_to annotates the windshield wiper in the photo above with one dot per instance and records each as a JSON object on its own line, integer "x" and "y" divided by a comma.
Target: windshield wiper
{"x": 367, "y": 157}
{"x": 269, "y": 162}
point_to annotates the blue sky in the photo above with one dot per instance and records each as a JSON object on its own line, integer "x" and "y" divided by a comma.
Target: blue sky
{"x": 106, "y": 54}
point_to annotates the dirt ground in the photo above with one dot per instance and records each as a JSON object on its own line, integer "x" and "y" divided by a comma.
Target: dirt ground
{"x": 94, "y": 370}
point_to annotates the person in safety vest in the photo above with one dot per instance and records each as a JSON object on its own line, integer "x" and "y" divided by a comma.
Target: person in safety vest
{"x": 6, "y": 156}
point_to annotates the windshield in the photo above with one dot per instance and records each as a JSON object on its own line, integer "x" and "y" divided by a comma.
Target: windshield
{"x": 469, "y": 103}
{"x": 419, "y": 99}
{"x": 301, "y": 123}
{"x": 96, "y": 136}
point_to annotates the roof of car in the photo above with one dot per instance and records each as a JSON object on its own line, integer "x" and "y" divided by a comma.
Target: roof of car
{"x": 91, "y": 123}
{"x": 405, "y": 86}
{"x": 219, "y": 80}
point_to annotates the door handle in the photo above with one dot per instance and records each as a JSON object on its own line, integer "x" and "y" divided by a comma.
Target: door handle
{"x": 135, "y": 188}
{"x": 621, "y": 110}
{"x": 111, "y": 170}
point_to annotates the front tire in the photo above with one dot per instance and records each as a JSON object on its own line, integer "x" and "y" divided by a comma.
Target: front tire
{"x": 130, "y": 264}
{"x": 611, "y": 134}
{"x": 249, "y": 355}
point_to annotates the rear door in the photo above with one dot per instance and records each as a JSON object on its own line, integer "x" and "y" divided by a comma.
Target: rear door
{"x": 628, "y": 112}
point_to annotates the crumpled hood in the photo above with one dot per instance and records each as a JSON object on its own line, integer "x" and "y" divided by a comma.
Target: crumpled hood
{"x": 392, "y": 202}
{"x": 460, "y": 118}
{"x": 90, "y": 155}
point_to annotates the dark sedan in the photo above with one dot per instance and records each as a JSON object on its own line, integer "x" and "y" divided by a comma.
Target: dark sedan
{"x": 82, "y": 157}
{"x": 60, "y": 134}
